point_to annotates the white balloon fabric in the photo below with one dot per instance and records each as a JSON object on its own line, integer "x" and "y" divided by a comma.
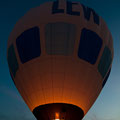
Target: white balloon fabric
{"x": 60, "y": 52}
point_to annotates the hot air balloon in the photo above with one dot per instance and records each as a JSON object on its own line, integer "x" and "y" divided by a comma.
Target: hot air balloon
{"x": 60, "y": 56}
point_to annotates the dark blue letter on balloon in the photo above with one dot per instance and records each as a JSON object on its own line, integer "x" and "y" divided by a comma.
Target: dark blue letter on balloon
{"x": 87, "y": 13}
{"x": 55, "y": 8}
{"x": 69, "y": 9}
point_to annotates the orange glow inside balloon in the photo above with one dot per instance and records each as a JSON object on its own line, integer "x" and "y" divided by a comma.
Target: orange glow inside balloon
{"x": 57, "y": 116}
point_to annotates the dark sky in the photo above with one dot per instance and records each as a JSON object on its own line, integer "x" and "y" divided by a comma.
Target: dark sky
{"x": 12, "y": 107}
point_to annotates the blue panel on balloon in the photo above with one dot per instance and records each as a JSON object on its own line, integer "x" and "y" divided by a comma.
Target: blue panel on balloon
{"x": 105, "y": 62}
{"x": 12, "y": 77}
{"x": 60, "y": 38}
{"x": 106, "y": 78}
{"x": 12, "y": 60}
{"x": 90, "y": 46}
{"x": 28, "y": 44}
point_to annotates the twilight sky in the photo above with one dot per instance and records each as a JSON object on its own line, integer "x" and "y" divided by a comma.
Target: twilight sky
{"x": 12, "y": 106}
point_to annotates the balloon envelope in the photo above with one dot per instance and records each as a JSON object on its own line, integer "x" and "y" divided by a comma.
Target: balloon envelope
{"x": 60, "y": 56}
